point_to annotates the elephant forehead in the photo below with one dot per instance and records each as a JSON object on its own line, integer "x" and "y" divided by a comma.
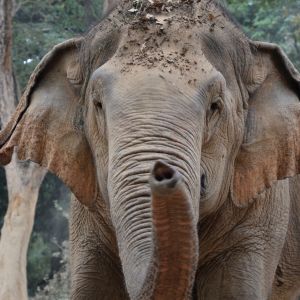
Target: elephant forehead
{"x": 149, "y": 83}
{"x": 185, "y": 78}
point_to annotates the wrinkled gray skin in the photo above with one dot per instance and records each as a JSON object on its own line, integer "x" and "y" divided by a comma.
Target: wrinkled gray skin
{"x": 220, "y": 110}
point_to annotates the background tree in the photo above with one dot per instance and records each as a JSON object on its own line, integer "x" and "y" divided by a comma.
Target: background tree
{"x": 23, "y": 180}
{"x": 276, "y": 21}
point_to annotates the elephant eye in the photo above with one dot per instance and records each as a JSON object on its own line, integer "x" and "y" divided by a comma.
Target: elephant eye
{"x": 215, "y": 107}
{"x": 98, "y": 104}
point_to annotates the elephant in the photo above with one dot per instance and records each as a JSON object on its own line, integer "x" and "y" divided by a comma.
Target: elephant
{"x": 179, "y": 137}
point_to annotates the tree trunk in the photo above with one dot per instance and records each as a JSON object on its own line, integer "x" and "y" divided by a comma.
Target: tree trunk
{"x": 23, "y": 181}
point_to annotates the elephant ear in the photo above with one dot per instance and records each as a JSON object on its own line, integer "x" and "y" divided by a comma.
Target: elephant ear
{"x": 47, "y": 125}
{"x": 271, "y": 146}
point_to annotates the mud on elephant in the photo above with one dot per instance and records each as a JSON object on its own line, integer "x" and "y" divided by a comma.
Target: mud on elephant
{"x": 177, "y": 135}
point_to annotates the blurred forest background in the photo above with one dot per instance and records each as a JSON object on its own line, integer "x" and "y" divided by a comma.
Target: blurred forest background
{"x": 40, "y": 24}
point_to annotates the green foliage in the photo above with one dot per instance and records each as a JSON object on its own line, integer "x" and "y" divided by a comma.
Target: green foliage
{"x": 276, "y": 21}
{"x": 39, "y": 260}
{"x": 39, "y": 25}
{"x": 58, "y": 287}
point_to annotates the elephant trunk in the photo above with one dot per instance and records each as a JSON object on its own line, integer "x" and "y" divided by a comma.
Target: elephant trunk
{"x": 156, "y": 233}
{"x": 155, "y": 227}
{"x": 176, "y": 242}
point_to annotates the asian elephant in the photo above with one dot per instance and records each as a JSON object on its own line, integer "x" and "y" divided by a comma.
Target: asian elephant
{"x": 180, "y": 138}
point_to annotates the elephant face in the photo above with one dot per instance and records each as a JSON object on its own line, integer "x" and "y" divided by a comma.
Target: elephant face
{"x": 201, "y": 101}
{"x": 181, "y": 98}
{"x": 141, "y": 117}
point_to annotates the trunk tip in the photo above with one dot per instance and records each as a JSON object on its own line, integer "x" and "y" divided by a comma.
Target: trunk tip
{"x": 164, "y": 175}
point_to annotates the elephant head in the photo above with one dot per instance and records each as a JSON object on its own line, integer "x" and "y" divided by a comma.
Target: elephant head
{"x": 185, "y": 100}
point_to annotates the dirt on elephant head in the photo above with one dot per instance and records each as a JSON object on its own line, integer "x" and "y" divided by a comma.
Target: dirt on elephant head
{"x": 156, "y": 34}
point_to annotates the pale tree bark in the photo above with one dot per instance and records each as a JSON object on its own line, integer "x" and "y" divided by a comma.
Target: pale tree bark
{"x": 23, "y": 181}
